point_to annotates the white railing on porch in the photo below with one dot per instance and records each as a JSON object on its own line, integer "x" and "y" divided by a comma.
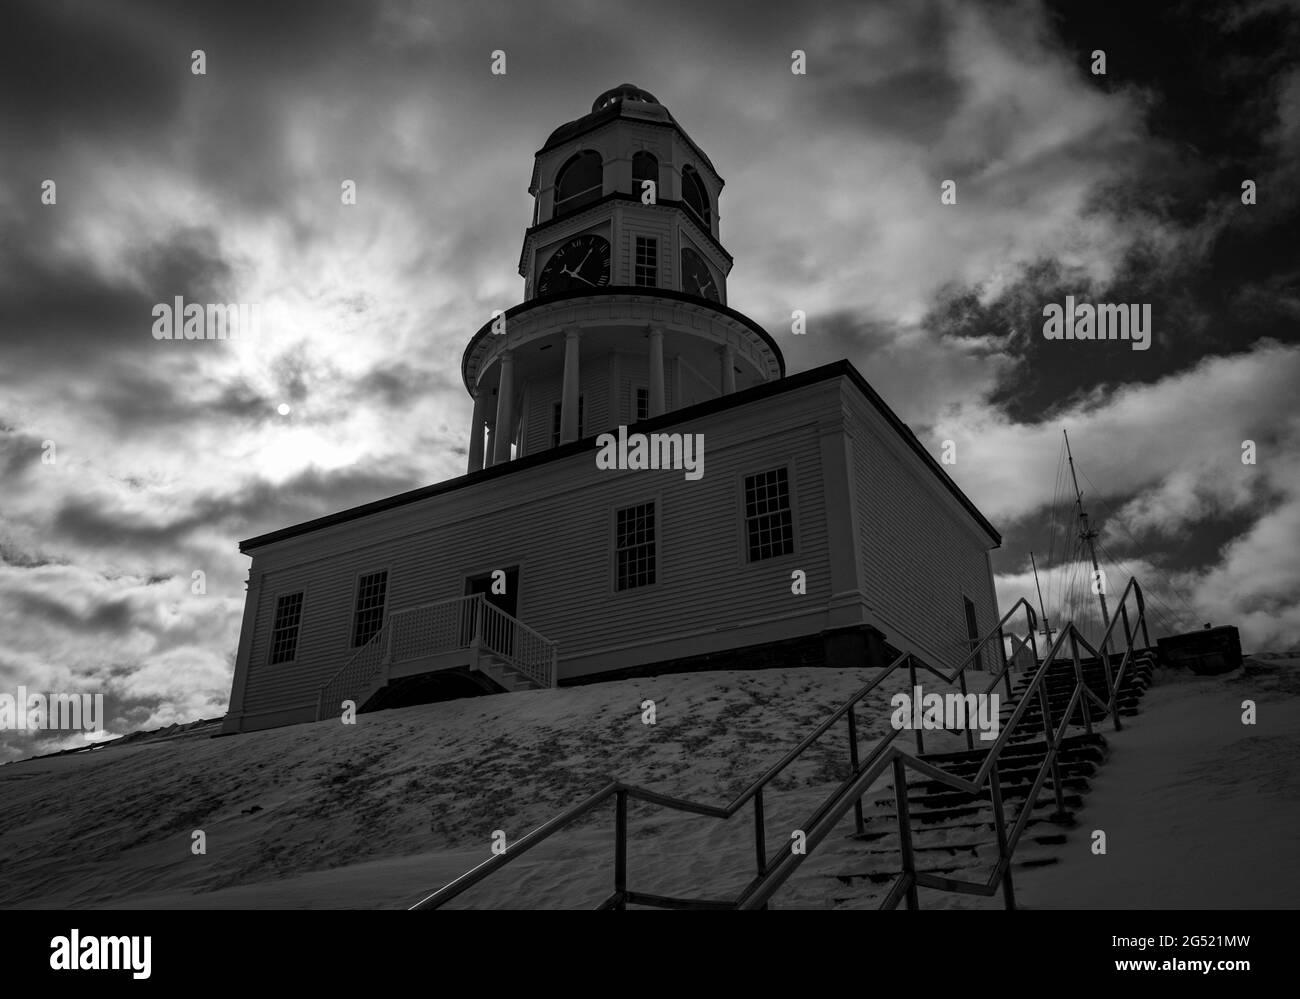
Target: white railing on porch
{"x": 468, "y": 622}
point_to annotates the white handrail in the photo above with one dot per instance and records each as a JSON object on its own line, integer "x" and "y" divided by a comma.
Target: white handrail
{"x": 443, "y": 626}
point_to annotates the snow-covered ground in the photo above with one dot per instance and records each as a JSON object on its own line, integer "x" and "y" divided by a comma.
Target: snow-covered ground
{"x": 378, "y": 814}
{"x": 1199, "y": 809}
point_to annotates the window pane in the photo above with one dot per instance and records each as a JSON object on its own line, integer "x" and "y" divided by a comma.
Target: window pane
{"x": 579, "y": 182}
{"x": 769, "y": 522}
{"x": 284, "y": 630}
{"x": 369, "y": 617}
{"x": 557, "y": 415}
{"x": 693, "y": 193}
{"x": 646, "y": 263}
{"x": 634, "y": 544}
{"x": 644, "y": 167}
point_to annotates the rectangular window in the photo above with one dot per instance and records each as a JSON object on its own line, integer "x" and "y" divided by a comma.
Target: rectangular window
{"x": 642, "y": 404}
{"x": 973, "y": 633}
{"x": 646, "y": 271}
{"x": 769, "y": 523}
{"x": 284, "y": 630}
{"x": 369, "y": 618}
{"x": 634, "y": 545}
{"x": 556, "y": 416}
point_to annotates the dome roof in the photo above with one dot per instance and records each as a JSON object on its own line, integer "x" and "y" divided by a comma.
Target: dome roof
{"x": 624, "y": 92}
{"x": 610, "y": 105}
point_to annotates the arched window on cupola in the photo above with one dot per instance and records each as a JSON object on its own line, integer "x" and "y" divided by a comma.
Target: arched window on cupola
{"x": 644, "y": 167}
{"x": 579, "y": 182}
{"x": 694, "y": 194}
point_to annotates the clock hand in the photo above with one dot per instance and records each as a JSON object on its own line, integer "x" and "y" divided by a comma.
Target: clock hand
{"x": 575, "y": 274}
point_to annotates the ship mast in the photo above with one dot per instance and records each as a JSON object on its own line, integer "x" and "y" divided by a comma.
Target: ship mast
{"x": 1047, "y": 628}
{"x": 1087, "y": 535}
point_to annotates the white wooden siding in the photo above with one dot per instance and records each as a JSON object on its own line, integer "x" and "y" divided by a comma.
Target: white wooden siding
{"x": 554, "y": 522}
{"x": 921, "y": 550}
{"x": 544, "y": 393}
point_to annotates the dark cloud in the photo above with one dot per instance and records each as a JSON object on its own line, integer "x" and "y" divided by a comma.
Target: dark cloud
{"x": 12, "y": 556}
{"x": 20, "y": 456}
{"x": 399, "y": 385}
{"x": 914, "y": 103}
{"x": 59, "y": 310}
{"x": 111, "y": 614}
{"x": 69, "y": 69}
{"x": 255, "y": 507}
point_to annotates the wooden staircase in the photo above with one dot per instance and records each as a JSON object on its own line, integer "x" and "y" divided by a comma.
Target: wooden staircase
{"x": 502, "y": 673}
{"x": 466, "y": 634}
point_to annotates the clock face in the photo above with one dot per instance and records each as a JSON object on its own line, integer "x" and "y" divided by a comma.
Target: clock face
{"x": 582, "y": 262}
{"x": 697, "y": 279}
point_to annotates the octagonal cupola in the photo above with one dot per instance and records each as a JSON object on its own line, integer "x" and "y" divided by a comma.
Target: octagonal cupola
{"x": 623, "y": 196}
{"x": 625, "y": 313}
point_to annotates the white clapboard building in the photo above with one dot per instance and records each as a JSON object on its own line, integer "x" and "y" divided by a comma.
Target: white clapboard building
{"x": 814, "y": 529}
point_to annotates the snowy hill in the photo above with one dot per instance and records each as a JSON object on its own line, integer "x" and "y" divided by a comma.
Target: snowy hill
{"x": 377, "y": 814}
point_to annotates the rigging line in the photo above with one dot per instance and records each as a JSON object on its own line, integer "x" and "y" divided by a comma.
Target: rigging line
{"x": 1061, "y": 587}
{"x": 1072, "y": 593}
{"x": 1166, "y": 617}
{"x": 1058, "y": 529}
{"x": 1111, "y": 516}
{"x": 1088, "y": 602}
{"x": 1056, "y": 499}
{"x": 1069, "y": 578}
{"x": 1056, "y": 496}
{"x": 1071, "y": 596}
{"x": 1065, "y": 585}
{"x": 1051, "y": 540}
{"x": 1152, "y": 593}
{"x": 1171, "y": 618}
{"x": 1053, "y": 589}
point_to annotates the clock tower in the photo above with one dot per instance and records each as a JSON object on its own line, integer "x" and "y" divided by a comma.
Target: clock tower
{"x": 625, "y": 313}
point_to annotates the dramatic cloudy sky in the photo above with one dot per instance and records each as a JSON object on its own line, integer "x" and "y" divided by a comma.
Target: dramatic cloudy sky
{"x": 225, "y": 187}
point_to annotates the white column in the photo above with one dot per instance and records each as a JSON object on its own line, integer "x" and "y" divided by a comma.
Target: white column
{"x": 505, "y": 409}
{"x": 491, "y": 441}
{"x": 476, "y": 430}
{"x": 726, "y": 370}
{"x": 569, "y": 401}
{"x": 521, "y": 421}
{"x": 656, "y": 371}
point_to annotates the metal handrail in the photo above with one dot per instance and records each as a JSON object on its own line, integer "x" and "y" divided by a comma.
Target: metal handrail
{"x": 753, "y": 792}
{"x": 774, "y": 871}
{"x": 765, "y": 886}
